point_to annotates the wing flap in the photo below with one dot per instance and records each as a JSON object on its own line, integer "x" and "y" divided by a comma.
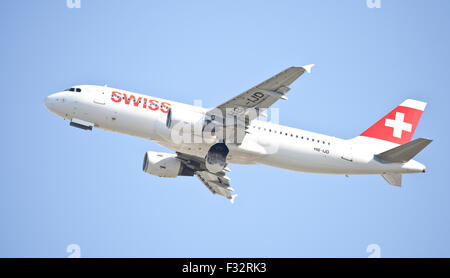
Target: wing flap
{"x": 266, "y": 93}
{"x": 217, "y": 184}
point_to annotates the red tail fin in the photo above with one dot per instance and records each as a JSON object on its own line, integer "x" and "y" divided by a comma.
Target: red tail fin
{"x": 399, "y": 125}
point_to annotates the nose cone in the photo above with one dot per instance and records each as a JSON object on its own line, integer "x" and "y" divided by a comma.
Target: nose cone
{"x": 49, "y": 102}
{"x": 56, "y": 103}
{"x": 46, "y": 102}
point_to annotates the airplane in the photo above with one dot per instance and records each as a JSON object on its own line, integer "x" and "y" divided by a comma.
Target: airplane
{"x": 206, "y": 140}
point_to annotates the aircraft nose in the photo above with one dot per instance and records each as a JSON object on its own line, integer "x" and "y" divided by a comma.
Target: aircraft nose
{"x": 52, "y": 100}
{"x": 48, "y": 101}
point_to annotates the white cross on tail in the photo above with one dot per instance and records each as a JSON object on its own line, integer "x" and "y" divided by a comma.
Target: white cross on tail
{"x": 398, "y": 124}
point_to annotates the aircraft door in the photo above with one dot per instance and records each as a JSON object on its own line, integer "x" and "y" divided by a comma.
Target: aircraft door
{"x": 347, "y": 153}
{"x": 99, "y": 97}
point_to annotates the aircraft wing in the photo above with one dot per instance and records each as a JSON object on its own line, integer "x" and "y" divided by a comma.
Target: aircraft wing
{"x": 263, "y": 95}
{"x": 217, "y": 183}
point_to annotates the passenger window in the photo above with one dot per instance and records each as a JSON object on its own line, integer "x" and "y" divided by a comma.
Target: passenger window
{"x": 78, "y": 90}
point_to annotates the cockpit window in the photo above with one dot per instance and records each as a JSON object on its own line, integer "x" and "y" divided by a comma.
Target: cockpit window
{"x": 78, "y": 90}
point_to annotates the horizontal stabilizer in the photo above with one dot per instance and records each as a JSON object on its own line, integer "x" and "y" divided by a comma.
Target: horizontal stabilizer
{"x": 405, "y": 152}
{"x": 393, "y": 179}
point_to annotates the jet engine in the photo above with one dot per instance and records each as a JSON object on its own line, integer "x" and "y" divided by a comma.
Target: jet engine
{"x": 165, "y": 165}
{"x": 180, "y": 118}
{"x": 215, "y": 160}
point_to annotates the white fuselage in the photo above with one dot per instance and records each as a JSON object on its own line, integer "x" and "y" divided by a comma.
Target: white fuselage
{"x": 266, "y": 143}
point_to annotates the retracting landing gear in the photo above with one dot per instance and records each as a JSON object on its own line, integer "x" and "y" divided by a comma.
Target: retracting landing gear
{"x": 215, "y": 160}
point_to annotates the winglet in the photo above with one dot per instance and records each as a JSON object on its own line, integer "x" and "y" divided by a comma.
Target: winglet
{"x": 308, "y": 68}
{"x": 232, "y": 198}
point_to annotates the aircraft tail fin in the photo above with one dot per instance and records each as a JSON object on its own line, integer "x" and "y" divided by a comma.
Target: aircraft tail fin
{"x": 393, "y": 179}
{"x": 397, "y": 126}
{"x": 405, "y": 152}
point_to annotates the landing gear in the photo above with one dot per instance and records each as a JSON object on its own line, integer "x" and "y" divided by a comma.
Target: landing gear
{"x": 215, "y": 160}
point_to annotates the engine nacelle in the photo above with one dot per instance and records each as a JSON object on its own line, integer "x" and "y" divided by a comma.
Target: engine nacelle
{"x": 216, "y": 157}
{"x": 184, "y": 119}
{"x": 165, "y": 165}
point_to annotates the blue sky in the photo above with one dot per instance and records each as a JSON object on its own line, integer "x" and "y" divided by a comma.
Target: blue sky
{"x": 61, "y": 185}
